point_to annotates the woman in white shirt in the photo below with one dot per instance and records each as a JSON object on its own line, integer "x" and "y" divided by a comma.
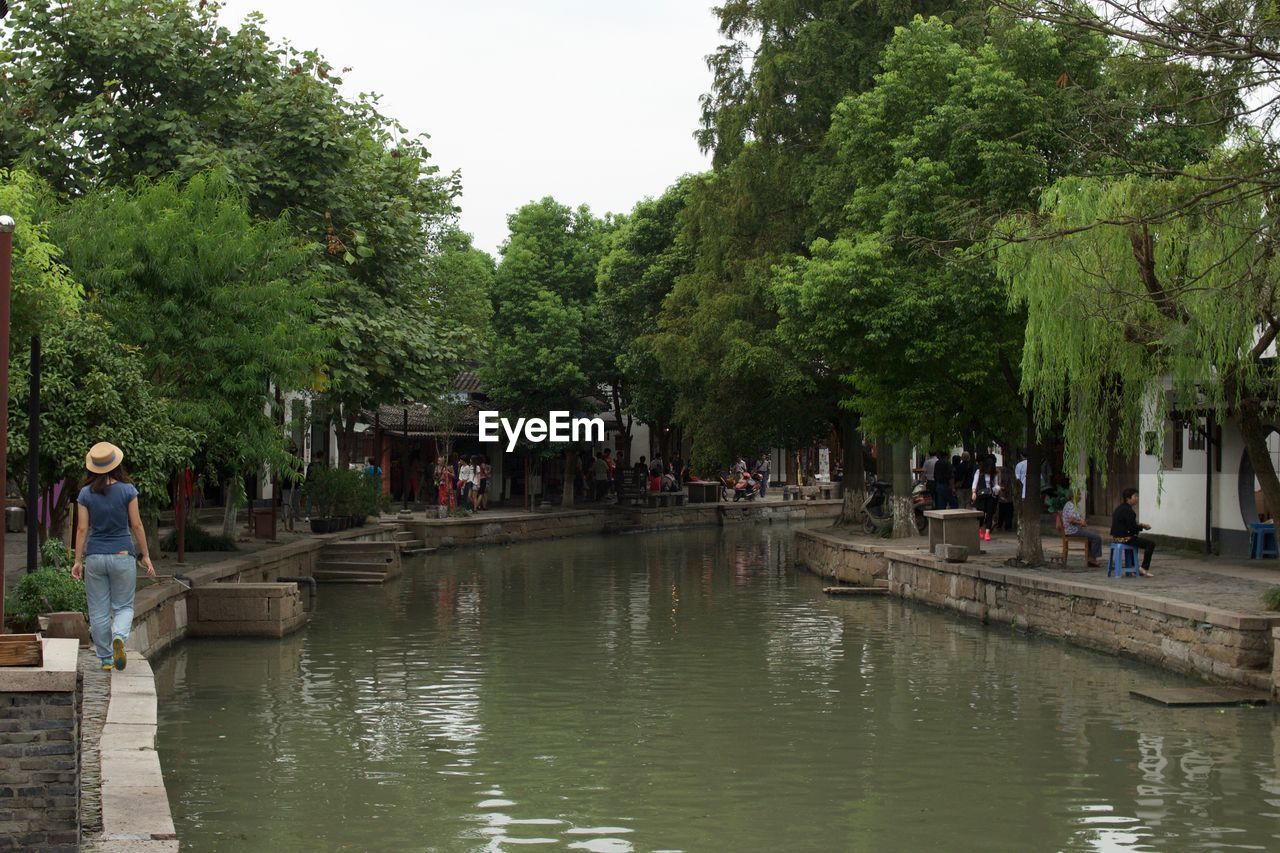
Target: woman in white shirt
{"x": 986, "y": 494}
{"x": 465, "y": 473}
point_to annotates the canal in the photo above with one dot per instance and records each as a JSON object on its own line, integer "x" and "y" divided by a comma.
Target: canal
{"x": 692, "y": 691}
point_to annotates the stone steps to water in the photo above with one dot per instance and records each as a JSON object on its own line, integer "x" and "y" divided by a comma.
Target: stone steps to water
{"x": 347, "y": 576}
{"x": 1201, "y": 697}
{"x": 856, "y": 590}
{"x": 380, "y": 567}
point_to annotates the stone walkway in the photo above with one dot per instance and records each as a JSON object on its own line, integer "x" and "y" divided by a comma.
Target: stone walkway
{"x": 1182, "y": 576}
{"x": 96, "y": 685}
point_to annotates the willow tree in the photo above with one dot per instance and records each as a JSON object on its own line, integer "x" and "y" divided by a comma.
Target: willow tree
{"x": 1139, "y": 286}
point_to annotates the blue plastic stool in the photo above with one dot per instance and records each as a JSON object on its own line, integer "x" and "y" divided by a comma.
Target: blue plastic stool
{"x": 1262, "y": 540}
{"x": 1123, "y": 560}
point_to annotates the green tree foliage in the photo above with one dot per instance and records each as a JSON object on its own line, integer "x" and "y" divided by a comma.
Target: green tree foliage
{"x": 776, "y": 79}
{"x": 952, "y": 133}
{"x": 219, "y": 304}
{"x": 647, "y": 253}
{"x": 43, "y": 289}
{"x": 94, "y": 386}
{"x": 103, "y": 91}
{"x": 546, "y": 353}
{"x": 1131, "y": 285}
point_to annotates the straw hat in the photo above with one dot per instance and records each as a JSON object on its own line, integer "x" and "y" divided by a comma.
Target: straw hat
{"x": 103, "y": 458}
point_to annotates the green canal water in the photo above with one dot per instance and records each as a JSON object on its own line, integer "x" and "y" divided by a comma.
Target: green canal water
{"x": 688, "y": 691}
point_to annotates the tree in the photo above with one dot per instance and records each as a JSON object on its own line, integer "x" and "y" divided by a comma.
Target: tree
{"x": 43, "y": 288}
{"x": 1134, "y": 287}
{"x": 93, "y": 387}
{"x": 545, "y": 352}
{"x": 904, "y": 302}
{"x": 646, "y": 255}
{"x": 93, "y": 103}
{"x": 219, "y": 305}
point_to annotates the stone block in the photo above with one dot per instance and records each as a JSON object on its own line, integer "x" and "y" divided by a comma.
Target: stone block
{"x": 951, "y": 553}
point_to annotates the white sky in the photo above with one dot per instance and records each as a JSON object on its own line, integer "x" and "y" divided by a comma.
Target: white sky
{"x": 590, "y": 101}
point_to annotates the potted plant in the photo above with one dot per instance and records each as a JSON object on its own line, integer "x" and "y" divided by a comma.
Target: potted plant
{"x": 322, "y": 491}
{"x": 52, "y": 593}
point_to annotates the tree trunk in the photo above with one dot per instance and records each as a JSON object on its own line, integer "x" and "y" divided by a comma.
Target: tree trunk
{"x": 855, "y": 478}
{"x": 570, "y": 472}
{"x": 231, "y": 502}
{"x": 1255, "y": 443}
{"x": 1030, "y": 546}
{"x": 347, "y": 436}
{"x": 904, "y": 522}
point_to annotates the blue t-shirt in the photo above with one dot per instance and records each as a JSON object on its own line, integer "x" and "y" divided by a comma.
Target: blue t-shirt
{"x": 108, "y": 518}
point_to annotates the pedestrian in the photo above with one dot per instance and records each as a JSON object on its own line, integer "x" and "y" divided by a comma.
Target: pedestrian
{"x": 762, "y": 468}
{"x": 1074, "y": 525}
{"x": 486, "y": 474}
{"x": 962, "y": 468}
{"x": 929, "y": 470}
{"x": 640, "y": 470}
{"x": 1125, "y": 528}
{"x": 477, "y": 472}
{"x": 110, "y": 542}
{"x": 600, "y": 471}
{"x": 464, "y": 484}
{"x": 612, "y": 470}
{"x": 316, "y": 464}
{"x": 986, "y": 491}
{"x": 944, "y": 485}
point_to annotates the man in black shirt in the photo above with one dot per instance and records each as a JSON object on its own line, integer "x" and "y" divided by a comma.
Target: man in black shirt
{"x": 1125, "y": 528}
{"x": 945, "y": 484}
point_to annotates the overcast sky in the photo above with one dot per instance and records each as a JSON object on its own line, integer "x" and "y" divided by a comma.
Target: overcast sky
{"x": 590, "y": 101}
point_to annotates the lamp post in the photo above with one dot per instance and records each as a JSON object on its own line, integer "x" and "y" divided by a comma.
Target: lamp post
{"x": 6, "y": 258}
{"x": 33, "y": 460}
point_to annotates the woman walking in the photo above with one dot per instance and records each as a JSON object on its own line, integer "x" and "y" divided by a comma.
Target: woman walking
{"x": 105, "y": 551}
{"x": 986, "y": 494}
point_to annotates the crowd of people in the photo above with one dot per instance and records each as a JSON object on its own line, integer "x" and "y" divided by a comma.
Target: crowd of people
{"x": 959, "y": 482}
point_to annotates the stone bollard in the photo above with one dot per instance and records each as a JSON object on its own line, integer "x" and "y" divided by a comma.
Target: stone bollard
{"x": 951, "y": 553}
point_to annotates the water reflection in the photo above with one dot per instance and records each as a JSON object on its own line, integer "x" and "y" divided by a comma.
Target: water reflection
{"x": 685, "y": 691}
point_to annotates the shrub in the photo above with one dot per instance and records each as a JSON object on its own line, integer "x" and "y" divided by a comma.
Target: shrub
{"x": 54, "y": 554}
{"x": 198, "y": 539}
{"x": 47, "y": 591}
{"x": 1271, "y": 598}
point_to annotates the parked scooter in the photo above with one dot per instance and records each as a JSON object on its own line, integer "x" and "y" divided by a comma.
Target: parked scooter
{"x": 921, "y": 500}
{"x": 747, "y": 491}
{"x": 877, "y": 515}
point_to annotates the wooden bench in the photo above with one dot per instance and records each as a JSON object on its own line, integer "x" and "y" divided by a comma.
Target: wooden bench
{"x": 657, "y": 499}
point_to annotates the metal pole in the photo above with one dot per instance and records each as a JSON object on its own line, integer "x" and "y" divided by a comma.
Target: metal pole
{"x": 1208, "y": 483}
{"x": 6, "y": 257}
{"x": 33, "y": 459}
{"x": 404, "y": 466}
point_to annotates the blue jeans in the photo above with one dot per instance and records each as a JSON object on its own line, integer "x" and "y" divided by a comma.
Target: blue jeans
{"x": 109, "y": 583}
{"x": 944, "y": 498}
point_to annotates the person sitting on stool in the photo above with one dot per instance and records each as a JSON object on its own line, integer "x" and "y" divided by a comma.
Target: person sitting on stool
{"x": 1125, "y": 528}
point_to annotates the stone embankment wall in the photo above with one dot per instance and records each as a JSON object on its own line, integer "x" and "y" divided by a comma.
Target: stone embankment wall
{"x": 39, "y": 753}
{"x": 1216, "y": 644}
{"x": 499, "y": 529}
{"x": 162, "y": 614}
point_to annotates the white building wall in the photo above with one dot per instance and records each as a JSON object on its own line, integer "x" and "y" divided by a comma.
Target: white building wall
{"x": 1172, "y": 500}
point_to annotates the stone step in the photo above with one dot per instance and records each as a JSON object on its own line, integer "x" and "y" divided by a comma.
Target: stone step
{"x": 411, "y": 545}
{"x": 402, "y": 535}
{"x": 338, "y": 576}
{"x": 855, "y": 590}
{"x": 372, "y": 547}
{"x": 380, "y": 568}
{"x": 417, "y": 552}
